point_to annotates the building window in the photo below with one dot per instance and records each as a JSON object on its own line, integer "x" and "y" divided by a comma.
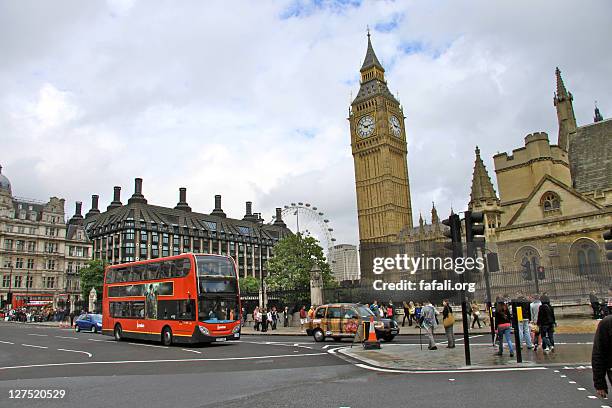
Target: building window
{"x": 8, "y": 244}
{"x": 69, "y": 267}
{"x": 19, "y": 263}
{"x": 30, "y": 263}
{"x": 8, "y": 263}
{"x": 6, "y": 281}
{"x": 51, "y": 264}
{"x": 19, "y": 245}
{"x": 529, "y": 260}
{"x": 585, "y": 254}
{"x": 50, "y": 282}
{"x": 550, "y": 202}
{"x": 143, "y": 236}
{"x": 17, "y": 281}
{"x": 29, "y": 281}
{"x": 31, "y": 246}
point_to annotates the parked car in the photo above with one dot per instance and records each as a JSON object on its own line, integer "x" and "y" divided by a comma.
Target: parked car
{"x": 88, "y": 321}
{"x": 342, "y": 320}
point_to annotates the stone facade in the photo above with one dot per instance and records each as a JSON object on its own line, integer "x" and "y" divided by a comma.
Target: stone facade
{"x": 40, "y": 254}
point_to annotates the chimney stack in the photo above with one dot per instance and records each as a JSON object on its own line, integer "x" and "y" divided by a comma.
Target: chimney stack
{"x": 218, "y": 211}
{"x": 77, "y": 218}
{"x": 79, "y": 207}
{"x": 116, "y": 203}
{"x": 182, "y": 204}
{"x": 137, "y": 197}
{"x": 94, "y": 206}
{"x": 278, "y": 221}
{"x": 249, "y": 212}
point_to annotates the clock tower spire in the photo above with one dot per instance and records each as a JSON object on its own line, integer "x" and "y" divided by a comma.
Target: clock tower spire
{"x": 378, "y": 143}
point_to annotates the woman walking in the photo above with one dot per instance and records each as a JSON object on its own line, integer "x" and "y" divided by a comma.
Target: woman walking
{"x": 256, "y": 318}
{"x": 448, "y": 320}
{"x": 476, "y": 314}
{"x": 502, "y": 324}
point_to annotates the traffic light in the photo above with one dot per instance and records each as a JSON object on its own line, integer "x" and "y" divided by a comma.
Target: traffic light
{"x": 474, "y": 231}
{"x": 607, "y": 236}
{"x": 541, "y": 274}
{"x": 454, "y": 233}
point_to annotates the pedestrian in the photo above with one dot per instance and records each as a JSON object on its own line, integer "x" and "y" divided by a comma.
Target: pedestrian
{"x": 547, "y": 322}
{"x": 594, "y": 300}
{"x": 534, "y": 309}
{"x": 601, "y": 358}
{"x": 406, "y": 308}
{"x": 374, "y": 307}
{"x": 303, "y": 317}
{"x": 264, "y": 319}
{"x": 502, "y": 323}
{"x": 270, "y": 320}
{"x": 448, "y": 321}
{"x": 71, "y": 319}
{"x": 311, "y": 312}
{"x": 390, "y": 310}
{"x": 274, "y": 317}
{"x": 286, "y": 317}
{"x": 417, "y": 314}
{"x": 475, "y": 314}
{"x": 256, "y": 318}
{"x": 523, "y": 324}
{"x": 429, "y": 313}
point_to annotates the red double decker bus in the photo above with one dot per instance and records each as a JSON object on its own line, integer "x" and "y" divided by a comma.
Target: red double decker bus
{"x": 188, "y": 298}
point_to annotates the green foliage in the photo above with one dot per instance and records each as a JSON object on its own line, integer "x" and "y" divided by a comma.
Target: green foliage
{"x": 294, "y": 257}
{"x": 249, "y": 284}
{"x": 92, "y": 276}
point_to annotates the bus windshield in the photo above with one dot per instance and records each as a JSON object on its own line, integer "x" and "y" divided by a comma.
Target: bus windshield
{"x": 215, "y": 266}
{"x": 217, "y": 289}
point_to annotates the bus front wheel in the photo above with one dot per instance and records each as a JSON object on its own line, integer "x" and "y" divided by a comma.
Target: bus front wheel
{"x": 166, "y": 336}
{"x": 118, "y": 333}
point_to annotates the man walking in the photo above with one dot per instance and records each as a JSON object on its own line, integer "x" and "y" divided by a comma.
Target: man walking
{"x": 534, "y": 309}
{"x": 601, "y": 359}
{"x": 429, "y": 313}
{"x": 524, "y": 331}
{"x": 547, "y": 323}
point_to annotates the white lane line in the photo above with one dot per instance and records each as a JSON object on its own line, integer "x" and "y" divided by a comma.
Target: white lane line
{"x": 182, "y": 360}
{"x": 572, "y": 382}
{"x": 591, "y": 396}
{"x": 478, "y": 370}
{"x": 6, "y": 342}
{"x": 39, "y": 335}
{"x": 581, "y": 389}
{"x": 147, "y": 345}
{"x": 31, "y": 345}
{"x": 192, "y": 351}
{"x": 105, "y": 341}
{"x": 76, "y": 351}
{"x": 65, "y": 337}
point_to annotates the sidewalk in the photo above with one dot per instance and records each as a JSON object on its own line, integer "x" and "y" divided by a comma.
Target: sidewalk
{"x": 566, "y": 326}
{"x": 411, "y": 357}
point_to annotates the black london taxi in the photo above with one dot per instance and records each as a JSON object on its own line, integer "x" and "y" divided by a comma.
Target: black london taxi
{"x": 341, "y": 320}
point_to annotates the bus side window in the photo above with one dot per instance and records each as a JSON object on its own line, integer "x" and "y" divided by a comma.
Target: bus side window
{"x": 152, "y": 270}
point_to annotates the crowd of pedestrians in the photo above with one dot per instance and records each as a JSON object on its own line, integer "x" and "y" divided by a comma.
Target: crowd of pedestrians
{"x": 24, "y": 314}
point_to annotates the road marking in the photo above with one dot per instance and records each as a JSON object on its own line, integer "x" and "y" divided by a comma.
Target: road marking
{"x": 105, "y": 341}
{"x": 65, "y": 337}
{"x": 476, "y": 370}
{"x": 6, "y": 342}
{"x": 39, "y": 335}
{"x": 76, "y": 351}
{"x": 591, "y": 396}
{"x": 147, "y": 345}
{"x": 192, "y": 351}
{"x": 572, "y": 382}
{"x": 31, "y": 345}
{"x": 581, "y": 389}
{"x": 182, "y": 360}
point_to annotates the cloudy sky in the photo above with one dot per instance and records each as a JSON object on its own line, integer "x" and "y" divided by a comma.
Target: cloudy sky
{"x": 250, "y": 99}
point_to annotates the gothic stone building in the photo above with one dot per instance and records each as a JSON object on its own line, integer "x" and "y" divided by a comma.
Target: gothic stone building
{"x": 555, "y": 200}
{"x": 40, "y": 254}
{"x": 138, "y": 230}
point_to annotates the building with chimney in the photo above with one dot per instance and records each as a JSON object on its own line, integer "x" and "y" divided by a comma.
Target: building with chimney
{"x": 555, "y": 200}
{"x": 138, "y": 230}
{"x": 40, "y": 253}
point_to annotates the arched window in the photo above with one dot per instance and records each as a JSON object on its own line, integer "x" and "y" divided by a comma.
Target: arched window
{"x": 585, "y": 254}
{"x": 528, "y": 260}
{"x": 550, "y": 202}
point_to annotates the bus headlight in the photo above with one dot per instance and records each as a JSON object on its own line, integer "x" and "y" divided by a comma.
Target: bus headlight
{"x": 204, "y": 330}
{"x": 236, "y": 329}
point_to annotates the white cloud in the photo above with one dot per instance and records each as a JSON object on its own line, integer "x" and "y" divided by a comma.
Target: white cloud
{"x": 250, "y": 101}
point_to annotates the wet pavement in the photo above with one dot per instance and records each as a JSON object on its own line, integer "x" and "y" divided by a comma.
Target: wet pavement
{"x": 412, "y": 357}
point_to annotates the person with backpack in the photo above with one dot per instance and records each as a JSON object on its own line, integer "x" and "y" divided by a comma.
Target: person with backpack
{"x": 547, "y": 322}
{"x": 448, "y": 321}
{"x": 503, "y": 325}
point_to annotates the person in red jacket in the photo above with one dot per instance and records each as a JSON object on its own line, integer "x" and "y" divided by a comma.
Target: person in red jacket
{"x": 601, "y": 358}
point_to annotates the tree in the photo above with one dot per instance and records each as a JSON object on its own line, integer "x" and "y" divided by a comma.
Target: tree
{"x": 294, "y": 257}
{"x": 249, "y": 284}
{"x": 92, "y": 276}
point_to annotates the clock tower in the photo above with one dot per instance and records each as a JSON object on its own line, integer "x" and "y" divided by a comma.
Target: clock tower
{"x": 378, "y": 143}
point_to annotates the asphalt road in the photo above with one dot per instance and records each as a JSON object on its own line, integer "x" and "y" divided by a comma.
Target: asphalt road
{"x": 258, "y": 371}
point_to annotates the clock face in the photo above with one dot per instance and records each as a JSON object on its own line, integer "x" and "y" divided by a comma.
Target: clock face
{"x": 394, "y": 126}
{"x": 365, "y": 126}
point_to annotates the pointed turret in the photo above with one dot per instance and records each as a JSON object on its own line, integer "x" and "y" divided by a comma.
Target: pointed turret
{"x": 434, "y": 214}
{"x": 597, "y": 117}
{"x": 482, "y": 187}
{"x": 565, "y": 112}
{"x": 370, "y": 59}
{"x": 373, "y": 81}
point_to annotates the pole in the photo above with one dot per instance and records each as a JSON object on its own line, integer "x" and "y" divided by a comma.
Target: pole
{"x": 466, "y": 327}
{"x": 517, "y": 337}
{"x": 489, "y": 299}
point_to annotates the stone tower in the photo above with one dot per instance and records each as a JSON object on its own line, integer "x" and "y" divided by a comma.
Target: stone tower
{"x": 378, "y": 142}
{"x": 483, "y": 197}
{"x": 565, "y": 112}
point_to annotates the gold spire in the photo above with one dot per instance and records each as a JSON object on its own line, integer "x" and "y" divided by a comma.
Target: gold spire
{"x": 482, "y": 187}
